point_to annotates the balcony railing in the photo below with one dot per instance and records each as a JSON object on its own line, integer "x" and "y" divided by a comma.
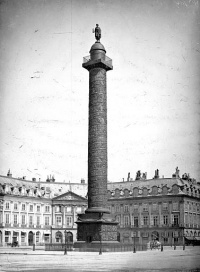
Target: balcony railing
{"x": 107, "y": 60}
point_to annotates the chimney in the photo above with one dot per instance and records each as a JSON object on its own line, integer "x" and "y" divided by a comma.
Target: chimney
{"x": 128, "y": 176}
{"x": 156, "y": 174}
{"x": 82, "y": 181}
{"x": 9, "y": 174}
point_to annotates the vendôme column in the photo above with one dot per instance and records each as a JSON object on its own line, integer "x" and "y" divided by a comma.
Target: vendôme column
{"x": 97, "y": 134}
{"x": 97, "y": 225}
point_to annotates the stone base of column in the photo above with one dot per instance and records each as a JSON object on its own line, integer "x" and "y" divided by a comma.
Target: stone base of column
{"x": 96, "y": 232}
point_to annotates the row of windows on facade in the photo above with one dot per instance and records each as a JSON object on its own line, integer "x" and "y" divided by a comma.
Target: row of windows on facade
{"x": 68, "y": 220}
{"x": 157, "y": 220}
{"x": 189, "y": 206}
{"x": 23, "y": 221}
{"x": 16, "y": 207}
{"x": 8, "y": 237}
{"x": 69, "y": 209}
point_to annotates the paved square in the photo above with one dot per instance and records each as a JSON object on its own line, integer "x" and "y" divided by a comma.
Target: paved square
{"x": 26, "y": 260}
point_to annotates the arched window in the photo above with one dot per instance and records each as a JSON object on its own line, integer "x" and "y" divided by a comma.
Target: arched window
{"x": 58, "y": 237}
{"x": 70, "y": 237}
{"x": 135, "y": 192}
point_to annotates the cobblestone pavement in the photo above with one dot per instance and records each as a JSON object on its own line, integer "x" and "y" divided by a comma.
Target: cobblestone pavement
{"x": 26, "y": 260}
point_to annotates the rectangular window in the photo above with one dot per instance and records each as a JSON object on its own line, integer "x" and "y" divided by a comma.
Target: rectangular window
{"x": 135, "y": 207}
{"x": 165, "y": 219}
{"x": 155, "y": 207}
{"x": 175, "y": 206}
{"x": 46, "y": 238}
{"x": 7, "y": 218}
{"x": 7, "y": 206}
{"x": 145, "y": 220}
{"x": 46, "y": 221}
{"x": 126, "y": 220}
{"x": 126, "y": 208}
{"x": 165, "y": 206}
{"x": 118, "y": 218}
{"x": 15, "y": 206}
{"x": 47, "y": 209}
{"x": 165, "y": 240}
{"x": 68, "y": 221}
{"x": 136, "y": 221}
{"x": 23, "y": 236}
{"x": 15, "y": 219}
{"x": 23, "y": 207}
{"x": 31, "y": 208}
{"x": 23, "y": 219}
{"x": 30, "y": 220}
{"x": 68, "y": 209}
{"x": 117, "y": 207}
{"x": 155, "y": 220}
{"x": 176, "y": 219}
{"x": 145, "y": 207}
{"x": 37, "y": 237}
{"x": 58, "y": 220}
{"x": 38, "y": 208}
{"x": 38, "y": 220}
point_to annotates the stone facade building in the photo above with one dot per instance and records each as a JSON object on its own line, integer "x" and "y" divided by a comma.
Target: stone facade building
{"x": 65, "y": 210}
{"x": 164, "y": 209}
{"x": 167, "y": 209}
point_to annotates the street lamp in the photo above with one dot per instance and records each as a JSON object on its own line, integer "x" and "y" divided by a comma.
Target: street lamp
{"x": 33, "y": 241}
{"x": 66, "y": 236}
{"x": 100, "y": 249}
{"x": 183, "y": 241}
{"x": 133, "y": 237}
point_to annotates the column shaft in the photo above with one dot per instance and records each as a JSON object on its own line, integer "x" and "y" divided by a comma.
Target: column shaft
{"x": 97, "y": 142}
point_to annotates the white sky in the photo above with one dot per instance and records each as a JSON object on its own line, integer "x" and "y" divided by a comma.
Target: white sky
{"x": 153, "y": 90}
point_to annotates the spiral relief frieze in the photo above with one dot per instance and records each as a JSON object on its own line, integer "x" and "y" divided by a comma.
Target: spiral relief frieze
{"x": 97, "y": 142}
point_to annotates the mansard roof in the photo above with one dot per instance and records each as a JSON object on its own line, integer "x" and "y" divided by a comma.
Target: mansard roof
{"x": 153, "y": 187}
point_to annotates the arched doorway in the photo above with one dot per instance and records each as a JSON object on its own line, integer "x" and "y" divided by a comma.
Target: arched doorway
{"x": 30, "y": 238}
{"x": 58, "y": 237}
{"x": 155, "y": 236}
{"x": 70, "y": 237}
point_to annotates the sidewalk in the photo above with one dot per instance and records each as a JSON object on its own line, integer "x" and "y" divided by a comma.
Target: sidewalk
{"x": 40, "y": 250}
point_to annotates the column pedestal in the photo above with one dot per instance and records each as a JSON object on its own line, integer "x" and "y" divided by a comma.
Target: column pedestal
{"x": 96, "y": 231}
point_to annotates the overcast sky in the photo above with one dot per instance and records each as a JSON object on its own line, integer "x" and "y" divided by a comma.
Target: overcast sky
{"x": 153, "y": 90}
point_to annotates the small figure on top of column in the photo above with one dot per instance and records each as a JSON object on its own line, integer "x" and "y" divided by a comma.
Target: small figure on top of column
{"x": 97, "y": 33}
